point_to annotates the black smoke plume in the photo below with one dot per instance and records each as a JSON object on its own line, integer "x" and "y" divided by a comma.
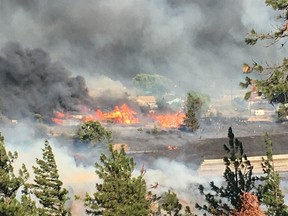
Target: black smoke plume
{"x": 30, "y": 83}
{"x": 193, "y": 42}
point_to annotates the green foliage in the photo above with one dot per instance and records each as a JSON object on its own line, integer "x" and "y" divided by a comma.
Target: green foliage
{"x": 238, "y": 179}
{"x": 274, "y": 87}
{"x": 272, "y": 83}
{"x": 270, "y": 192}
{"x": 171, "y": 203}
{"x": 120, "y": 193}
{"x": 248, "y": 81}
{"x": 48, "y": 187}
{"x": 39, "y": 118}
{"x": 277, "y": 4}
{"x": 190, "y": 120}
{"x": 10, "y": 184}
{"x": 152, "y": 84}
{"x": 247, "y": 95}
{"x": 93, "y": 132}
{"x": 187, "y": 212}
{"x": 282, "y": 112}
{"x": 16, "y": 208}
{"x": 198, "y": 102}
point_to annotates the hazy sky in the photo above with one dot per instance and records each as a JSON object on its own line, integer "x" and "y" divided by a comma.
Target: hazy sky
{"x": 195, "y": 42}
{"x": 191, "y": 41}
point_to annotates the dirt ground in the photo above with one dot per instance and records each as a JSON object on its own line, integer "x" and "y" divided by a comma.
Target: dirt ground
{"x": 206, "y": 143}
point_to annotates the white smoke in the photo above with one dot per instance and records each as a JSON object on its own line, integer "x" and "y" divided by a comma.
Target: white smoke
{"x": 76, "y": 179}
{"x": 195, "y": 43}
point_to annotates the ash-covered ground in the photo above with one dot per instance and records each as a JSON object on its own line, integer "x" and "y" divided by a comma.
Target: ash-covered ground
{"x": 149, "y": 143}
{"x": 176, "y": 169}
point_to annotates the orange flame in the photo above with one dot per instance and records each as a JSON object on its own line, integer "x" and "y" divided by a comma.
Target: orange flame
{"x": 122, "y": 114}
{"x": 90, "y": 118}
{"x": 169, "y": 120}
{"x": 59, "y": 114}
{"x": 172, "y": 147}
{"x": 58, "y": 119}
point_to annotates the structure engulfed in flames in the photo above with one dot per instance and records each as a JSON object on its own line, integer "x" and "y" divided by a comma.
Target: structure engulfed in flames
{"x": 122, "y": 115}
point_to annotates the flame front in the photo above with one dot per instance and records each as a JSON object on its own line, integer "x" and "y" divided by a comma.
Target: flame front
{"x": 58, "y": 119}
{"x": 169, "y": 120}
{"x": 123, "y": 115}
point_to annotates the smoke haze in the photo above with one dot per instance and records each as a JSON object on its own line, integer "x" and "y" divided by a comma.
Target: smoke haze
{"x": 30, "y": 83}
{"x": 53, "y": 51}
{"x": 192, "y": 42}
{"x": 76, "y": 179}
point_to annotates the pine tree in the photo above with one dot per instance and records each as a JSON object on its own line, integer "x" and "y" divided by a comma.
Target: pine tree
{"x": 195, "y": 104}
{"x": 171, "y": 203}
{"x": 238, "y": 179}
{"x": 47, "y": 187}
{"x": 190, "y": 120}
{"x": 93, "y": 132}
{"x": 120, "y": 194}
{"x": 198, "y": 102}
{"x": 10, "y": 185}
{"x": 270, "y": 191}
{"x": 271, "y": 81}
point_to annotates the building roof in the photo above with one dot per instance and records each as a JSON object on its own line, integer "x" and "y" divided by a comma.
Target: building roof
{"x": 147, "y": 99}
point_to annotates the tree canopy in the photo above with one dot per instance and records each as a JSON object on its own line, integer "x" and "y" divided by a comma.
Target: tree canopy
{"x": 93, "y": 132}
{"x": 171, "y": 203}
{"x": 238, "y": 179}
{"x": 120, "y": 193}
{"x": 10, "y": 184}
{"x": 198, "y": 102}
{"x": 154, "y": 84}
{"x": 48, "y": 188}
{"x": 270, "y": 192}
{"x": 270, "y": 81}
{"x": 190, "y": 121}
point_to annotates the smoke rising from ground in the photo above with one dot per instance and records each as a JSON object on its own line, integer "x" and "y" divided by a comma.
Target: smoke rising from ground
{"x": 79, "y": 180}
{"x": 31, "y": 83}
{"x": 194, "y": 42}
{"x": 76, "y": 179}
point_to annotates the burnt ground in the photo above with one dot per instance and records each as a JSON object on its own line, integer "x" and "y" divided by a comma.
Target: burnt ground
{"x": 148, "y": 143}
{"x": 192, "y": 148}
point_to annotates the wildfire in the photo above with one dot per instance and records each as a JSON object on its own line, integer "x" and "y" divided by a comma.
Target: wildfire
{"x": 121, "y": 115}
{"x": 59, "y": 116}
{"x": 172, "y": 147}
{"x": 169, "y": 120}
